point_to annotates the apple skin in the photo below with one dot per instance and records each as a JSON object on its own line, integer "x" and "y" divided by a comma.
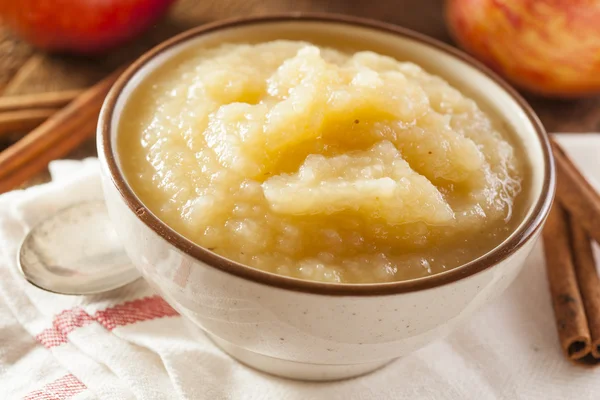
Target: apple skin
{"x": 548, "y": 47}
{"x": 80, "y": 26}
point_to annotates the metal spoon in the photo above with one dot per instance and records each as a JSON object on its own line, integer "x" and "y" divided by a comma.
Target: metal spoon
{"x": 76, "y": 251}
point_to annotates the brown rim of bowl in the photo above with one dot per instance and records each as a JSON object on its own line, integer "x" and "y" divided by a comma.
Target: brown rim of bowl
{"x": 528, "y": 229}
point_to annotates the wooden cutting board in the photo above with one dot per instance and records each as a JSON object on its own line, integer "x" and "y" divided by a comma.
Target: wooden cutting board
{"x": 25, "y": 70}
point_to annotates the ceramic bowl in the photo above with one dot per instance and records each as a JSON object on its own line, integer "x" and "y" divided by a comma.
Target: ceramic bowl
{"x": 313, "y": 330}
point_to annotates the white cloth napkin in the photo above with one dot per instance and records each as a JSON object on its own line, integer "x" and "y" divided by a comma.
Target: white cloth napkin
{"x": 129, "y": 344}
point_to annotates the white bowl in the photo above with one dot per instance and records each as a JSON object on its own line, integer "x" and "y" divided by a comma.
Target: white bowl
{"x": 313, "y": 330}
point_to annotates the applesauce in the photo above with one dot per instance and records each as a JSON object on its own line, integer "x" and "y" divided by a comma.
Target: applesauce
{"x": 313, "y": 163}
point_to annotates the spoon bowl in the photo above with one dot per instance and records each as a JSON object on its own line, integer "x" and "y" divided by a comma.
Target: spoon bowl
{"x": 76, "y": 251}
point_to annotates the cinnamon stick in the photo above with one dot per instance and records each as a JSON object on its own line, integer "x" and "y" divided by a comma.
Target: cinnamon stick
{"x": 576, "y": 194}
{"x": 571, "y": 322}
{"x": 38, "y": 100}
{"x": 23, "y": 120}
{"x": 58, "y": 150}
{"x": 67, "y": 122}
{"x": 588, "y": 281}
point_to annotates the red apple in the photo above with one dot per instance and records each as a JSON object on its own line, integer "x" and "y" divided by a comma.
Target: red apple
{"x": 80, "y": 26}
{"x": 551, "y": 47}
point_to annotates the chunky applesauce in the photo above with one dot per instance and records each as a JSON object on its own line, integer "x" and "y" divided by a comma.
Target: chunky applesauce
{"x": 320, "y": 165}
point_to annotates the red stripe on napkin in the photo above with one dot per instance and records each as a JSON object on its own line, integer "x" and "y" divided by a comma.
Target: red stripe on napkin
{"x": 135, "y": 311}
{"x": 123, "y": 314}
{"x": 62, "y": 325}
{"x": 61, "y": 389}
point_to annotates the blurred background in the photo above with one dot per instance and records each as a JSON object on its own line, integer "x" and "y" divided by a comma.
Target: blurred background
{"x": 100, "y": 40}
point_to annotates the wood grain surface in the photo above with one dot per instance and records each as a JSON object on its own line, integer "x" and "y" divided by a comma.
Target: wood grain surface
{"x": 25, "y": 70}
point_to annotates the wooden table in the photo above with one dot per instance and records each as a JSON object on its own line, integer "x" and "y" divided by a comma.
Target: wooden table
{"x": 24, "y": 70}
